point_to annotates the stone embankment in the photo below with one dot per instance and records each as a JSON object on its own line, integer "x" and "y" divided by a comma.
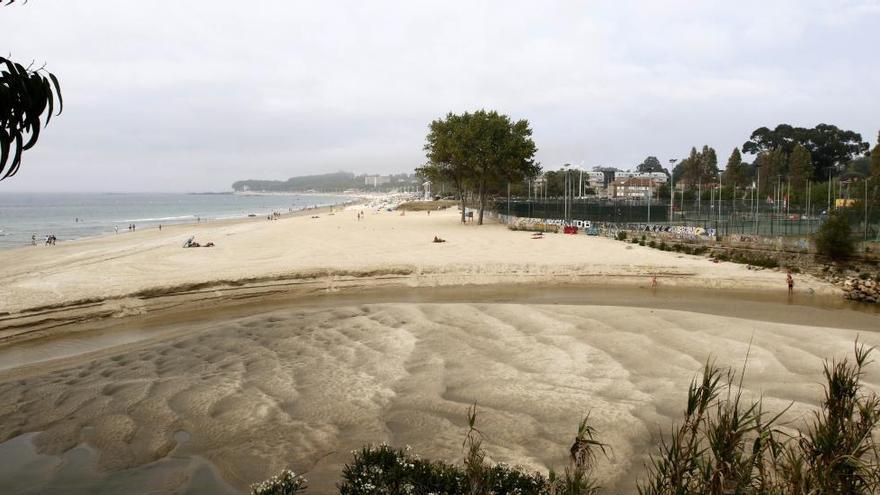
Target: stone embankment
{"x": 857, "y": 289}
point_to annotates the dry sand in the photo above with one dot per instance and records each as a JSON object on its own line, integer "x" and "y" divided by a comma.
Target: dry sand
{"x": 323, "y": 250}
{"x": 302, "y": 384}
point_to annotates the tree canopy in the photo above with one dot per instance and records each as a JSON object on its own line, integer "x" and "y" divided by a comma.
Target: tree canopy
{"x": 734, "y": 172}
{"x": 651, "y": 164}
{"x": 479, "y": 152}
{"x": 828, "y": 145}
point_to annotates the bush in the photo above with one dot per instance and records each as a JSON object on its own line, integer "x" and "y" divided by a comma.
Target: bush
{"x": 652, "y": 243}
{"x": 663, "y": 246}
{"x": 642, "y": 242}
{"x": 621, "y": 236}
{"x": 286, "y": 483}
{"x": 834, "y": 238}
{"x": 385, "y": 470}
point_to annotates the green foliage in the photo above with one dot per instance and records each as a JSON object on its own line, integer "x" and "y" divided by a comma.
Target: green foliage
{"x": 834, "y": 237}
{"x": 800, "y": 167}
{"x": 26, "y": 96}
{"x": 285, "y": 483}
{"x": 827, "y": 144}
{"x": 734, "y": 172}
{"x": 481, "y": 151}
{"x": 621, "y": 236}
{"x": 651, "y": 164}
{"x": 698, "y": 168}
{"x": 729, "y": 445}
{"x": 388, "y": 471}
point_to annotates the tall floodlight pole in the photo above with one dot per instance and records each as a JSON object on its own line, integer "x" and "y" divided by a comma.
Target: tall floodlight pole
{"x": 671, "y": 188}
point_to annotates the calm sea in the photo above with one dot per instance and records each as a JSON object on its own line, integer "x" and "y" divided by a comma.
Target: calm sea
{"x": 74, "y": 216}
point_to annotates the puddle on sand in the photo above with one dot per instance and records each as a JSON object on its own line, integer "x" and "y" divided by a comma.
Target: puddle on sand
{"x": 24, "y": 471}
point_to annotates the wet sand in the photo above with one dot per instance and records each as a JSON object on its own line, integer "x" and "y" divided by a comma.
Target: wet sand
{"x": 301, "y": 382}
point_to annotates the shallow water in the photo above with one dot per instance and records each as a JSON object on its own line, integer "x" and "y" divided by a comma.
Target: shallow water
{"x": 73, "y": 216}
{"x": 251, "y": 390}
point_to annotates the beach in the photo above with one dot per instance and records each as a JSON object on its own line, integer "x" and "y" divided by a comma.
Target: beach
{"x": 292, "y": 342}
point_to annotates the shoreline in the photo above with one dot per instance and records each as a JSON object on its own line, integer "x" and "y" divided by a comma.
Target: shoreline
{"x": 153, "y": 223}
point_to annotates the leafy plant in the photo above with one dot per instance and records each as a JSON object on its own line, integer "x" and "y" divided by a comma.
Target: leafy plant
{"x": 834, "y": 238}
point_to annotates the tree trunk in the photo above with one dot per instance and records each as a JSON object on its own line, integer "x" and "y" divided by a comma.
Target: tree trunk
{"x": 482, "y": 204}
{"x": 461, "y": 195}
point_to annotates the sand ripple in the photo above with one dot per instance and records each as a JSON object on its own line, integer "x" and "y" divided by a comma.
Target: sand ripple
{"x": 303, "y": 387}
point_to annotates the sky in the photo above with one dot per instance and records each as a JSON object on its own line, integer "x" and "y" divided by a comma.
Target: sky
{"x": 170, "y": 96}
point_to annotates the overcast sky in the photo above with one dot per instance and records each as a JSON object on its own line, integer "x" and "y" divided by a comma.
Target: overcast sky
{"x": 193, "y": 95}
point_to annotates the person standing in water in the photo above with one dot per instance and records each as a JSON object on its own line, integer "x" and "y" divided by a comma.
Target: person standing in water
{"x": 790, "y": 280}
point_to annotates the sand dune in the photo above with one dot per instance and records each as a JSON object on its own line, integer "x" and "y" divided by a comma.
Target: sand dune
{"x": 301, "y": 387}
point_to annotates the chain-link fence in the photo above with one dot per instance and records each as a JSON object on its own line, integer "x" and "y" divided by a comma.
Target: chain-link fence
{"x": 724, "y": 217}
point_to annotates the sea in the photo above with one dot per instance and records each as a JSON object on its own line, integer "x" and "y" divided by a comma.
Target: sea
{"x": 70, "y": 216}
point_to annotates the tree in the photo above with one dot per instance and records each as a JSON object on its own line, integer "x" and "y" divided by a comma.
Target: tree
{"x": 690, "y": 168}
{"x": 828, "y": 145}
{"x": 480, "y": 150}
{"x": 734, "y": 173}
{"x": 800, "y": 167}
{"x": 445, "y": 147}
{"x": 26, "y": 95}
{"x": 771, "y": 165}
{"x": 875, "y": 160}
{"x": 708, "y": 165}
{"x": 651, "y": 164}
{"x": 834, "y": 237}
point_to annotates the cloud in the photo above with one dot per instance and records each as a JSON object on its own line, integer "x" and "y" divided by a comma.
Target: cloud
{"x": 195, "y": 95}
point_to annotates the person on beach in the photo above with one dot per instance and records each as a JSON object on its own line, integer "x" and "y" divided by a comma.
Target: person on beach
{"x": 116, "y": 229}
{"x": 790, "y": 280}
{"x": 34, "y": 239}
{"x": 160, "y": 227}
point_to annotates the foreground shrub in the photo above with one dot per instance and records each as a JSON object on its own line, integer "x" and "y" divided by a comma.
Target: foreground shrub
{"x": 621, "y": 236}
{"x": 834, "y": 238}
{"x": 385, "y": 470}
{"x": 286, "y": 483}
{"x": 726, "y": 445}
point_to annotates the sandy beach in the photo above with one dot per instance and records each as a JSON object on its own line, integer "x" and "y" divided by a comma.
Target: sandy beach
{"x": 119, "y": 275}
{"x": 294, "y": 341}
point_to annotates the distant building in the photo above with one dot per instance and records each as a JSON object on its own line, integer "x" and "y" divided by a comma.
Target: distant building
{"x": 658, "y": 177}
{"x": 376, "y": 180}
{"x": 633, "y": 188}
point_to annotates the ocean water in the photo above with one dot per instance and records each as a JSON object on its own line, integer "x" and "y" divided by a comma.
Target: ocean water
{"x": 74, "y": 216}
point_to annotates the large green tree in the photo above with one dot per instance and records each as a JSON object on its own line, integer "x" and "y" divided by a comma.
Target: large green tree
{"x": 772, "y": 167}
{"x": 828, "y": 145}
{"x": 734, "y": 172}
{"x": 27, "y": 97}
{"x": 651, "y": 164}
{"x": 448, "y": 160}
{"x": 480, "y": 151}
{"x": 800, "y": 168}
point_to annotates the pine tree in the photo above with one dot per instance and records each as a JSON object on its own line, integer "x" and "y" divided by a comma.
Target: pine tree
{"x": 708, "y": 165}
{"x": 800, "y": 167}
{"x": 691, "y": 168}
{"x": 734, "y": 174}
{"x": 772, "y": 165}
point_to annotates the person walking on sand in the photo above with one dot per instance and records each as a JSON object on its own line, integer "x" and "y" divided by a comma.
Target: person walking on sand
{"x": 34, "y": 239}
{"x": 790, "y": 280}
{"x": 116, "y": 229}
